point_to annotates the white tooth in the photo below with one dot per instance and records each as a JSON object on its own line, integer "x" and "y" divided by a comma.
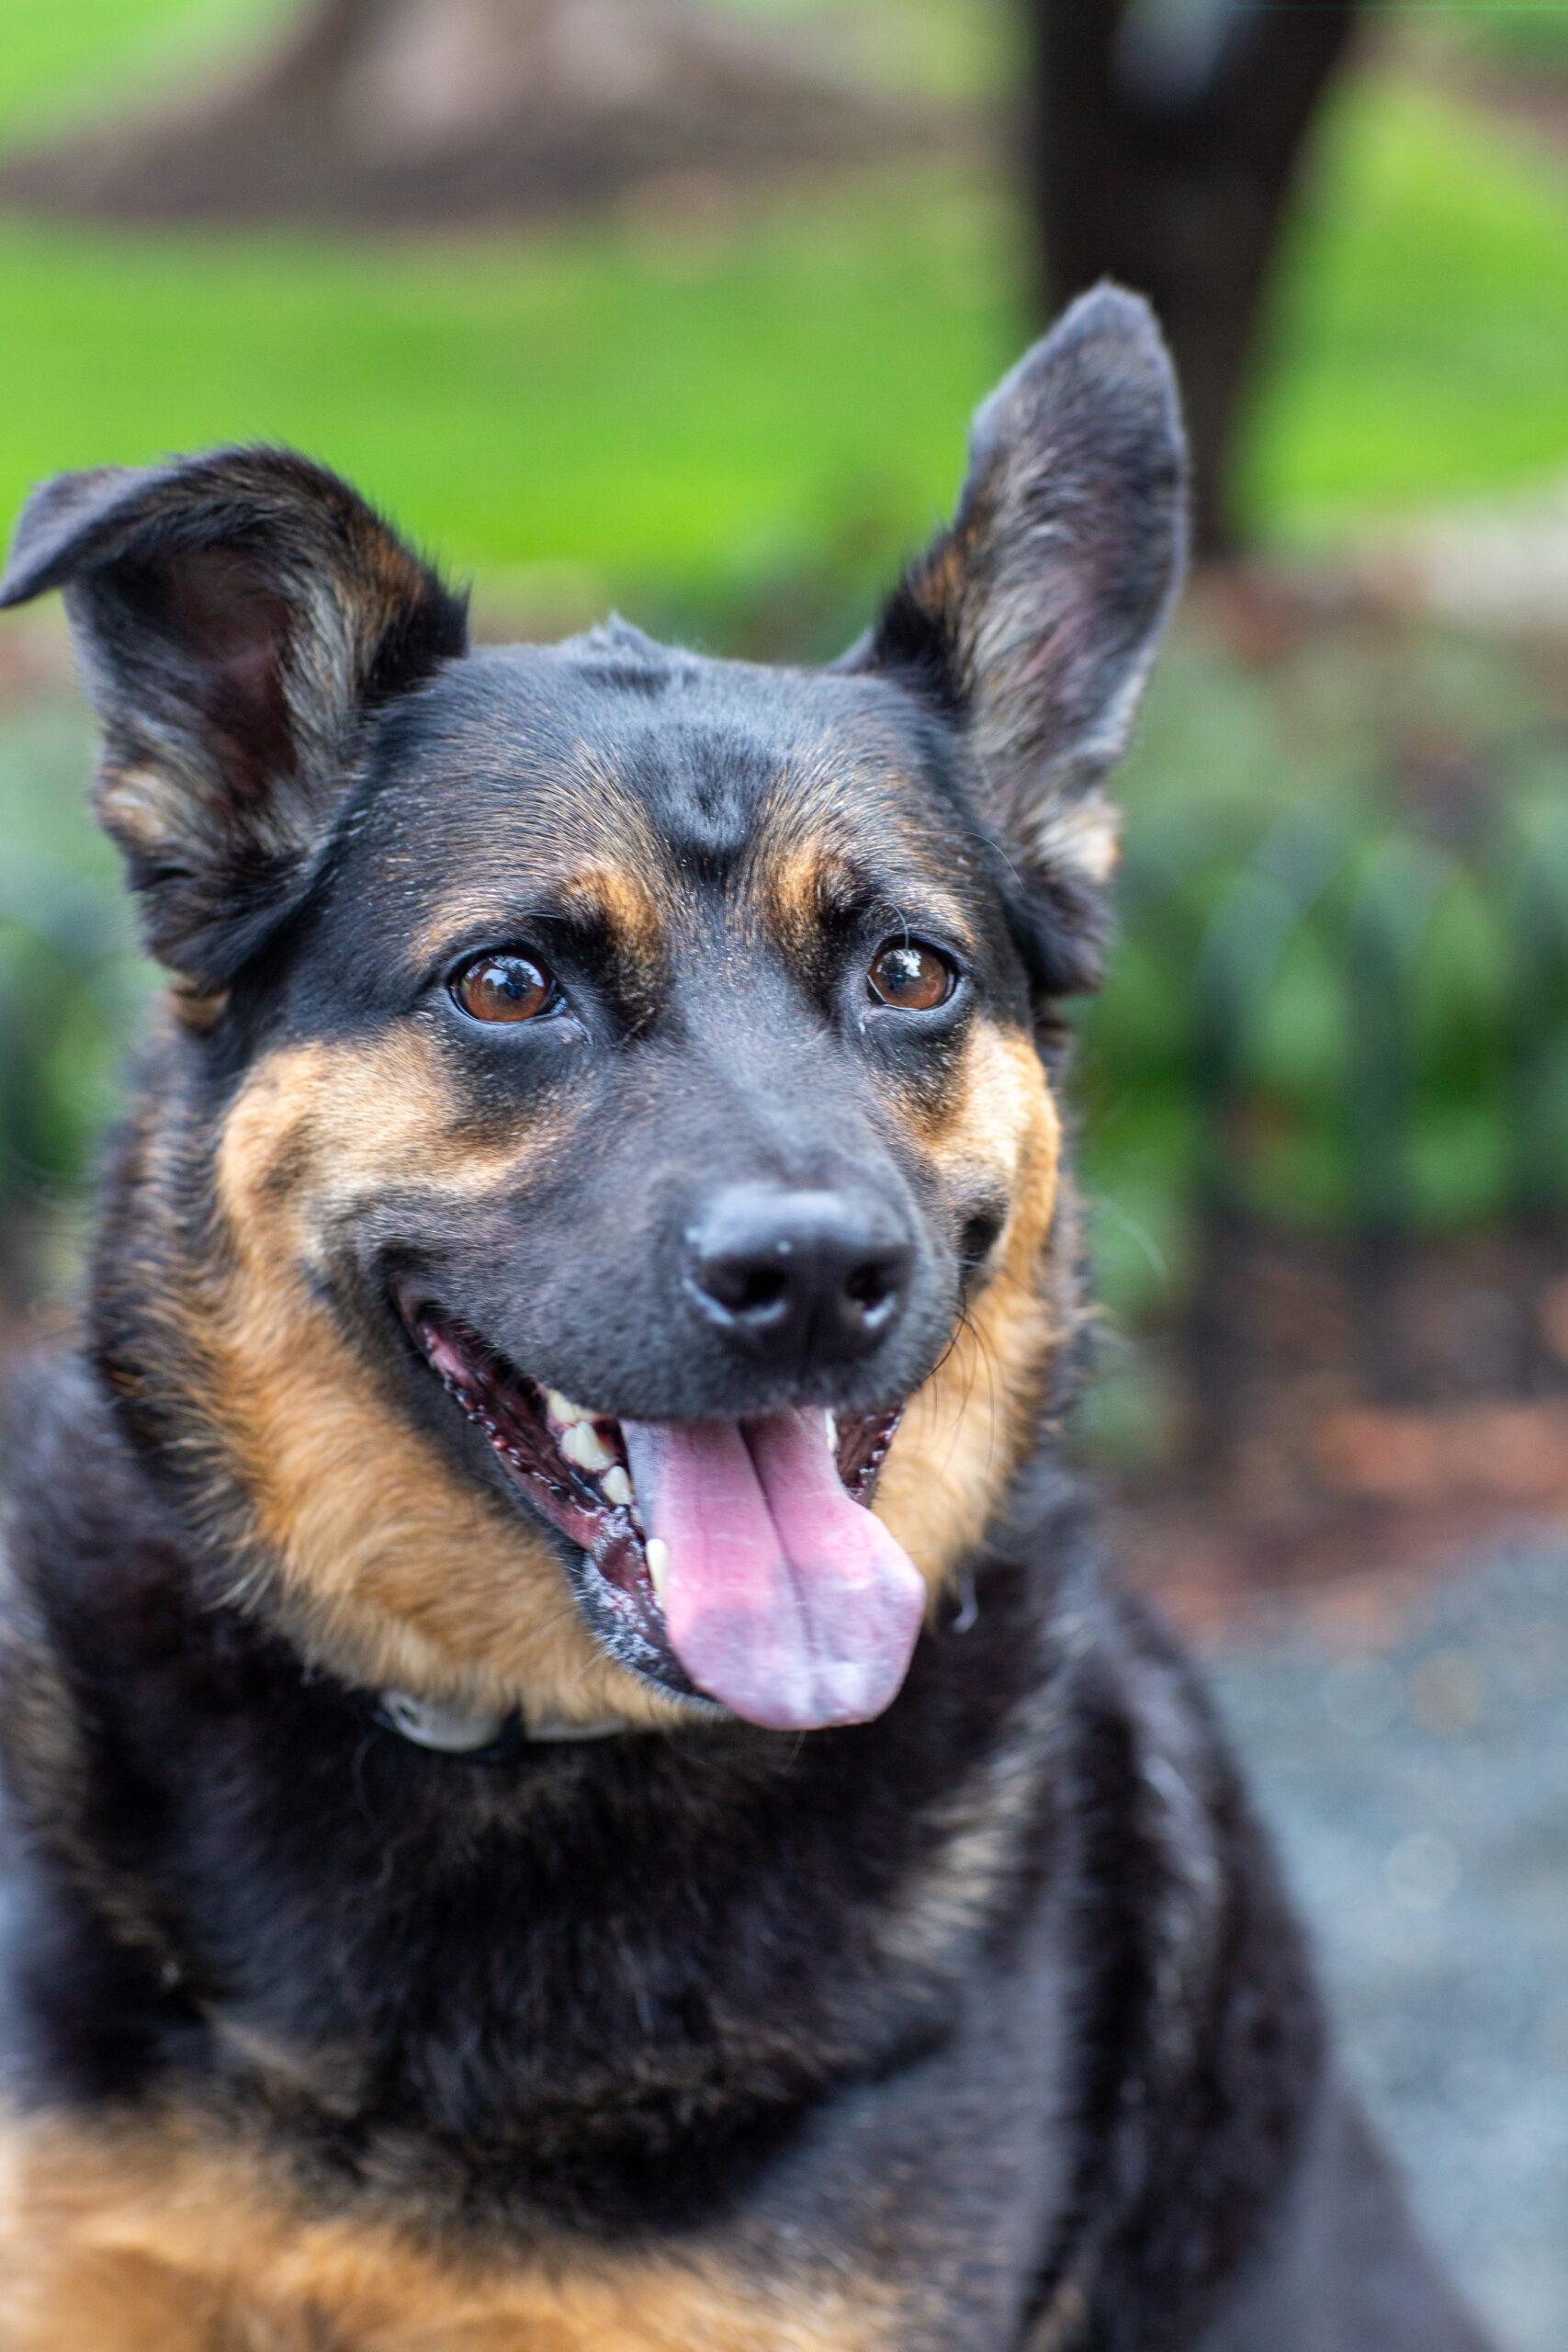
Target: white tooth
{"x": 563, "y": 1411}
{"x": 615, "y": 1487}
{"x": 582, "y": 1444}
{"x": 659, "y": 1565}
{"x": 831, "y": 1422}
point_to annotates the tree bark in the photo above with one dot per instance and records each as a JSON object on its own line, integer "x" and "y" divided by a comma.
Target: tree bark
{"x": 1168, "y": 163}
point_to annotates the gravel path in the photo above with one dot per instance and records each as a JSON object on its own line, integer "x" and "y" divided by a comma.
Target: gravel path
{"x": 1420, "y": 1794}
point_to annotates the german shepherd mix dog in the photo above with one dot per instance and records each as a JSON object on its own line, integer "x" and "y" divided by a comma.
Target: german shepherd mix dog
{"x": 575, "y": 1784}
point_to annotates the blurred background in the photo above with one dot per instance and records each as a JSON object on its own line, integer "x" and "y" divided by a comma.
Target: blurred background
{"x": 680, "y": 308}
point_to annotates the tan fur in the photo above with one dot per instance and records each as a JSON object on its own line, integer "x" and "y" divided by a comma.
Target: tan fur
{"x": 399, "y": 1573}
{"x": 967, "y": 1430}
{"x": 609, "y": 894}
{"x": 142, "y": 807}
{"x": 1083, "y": 838}
{"x": 798, "y": 885}
{"x": 797, "y": 882}
{"x": 160, "y": 2239}
{"x": 193, "y": 1006}
{"x": 978, "y": 1830}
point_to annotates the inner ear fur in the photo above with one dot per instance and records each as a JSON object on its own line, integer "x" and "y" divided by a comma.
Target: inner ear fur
{"x": 1032, "y": 619}
{"x": 238, "y": 615}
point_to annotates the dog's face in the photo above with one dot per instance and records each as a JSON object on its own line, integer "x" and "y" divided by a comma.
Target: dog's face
{"x": 594, "y": 1247}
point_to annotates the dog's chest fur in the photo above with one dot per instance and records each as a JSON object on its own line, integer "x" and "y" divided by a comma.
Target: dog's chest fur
{"x": 159, "y": 2248}
{"x": 894, "y": 2227}
{"x": 790, "y": 2071}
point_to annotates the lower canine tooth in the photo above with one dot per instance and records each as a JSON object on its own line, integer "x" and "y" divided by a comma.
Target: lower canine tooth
{"x": 659, "y": 1565}
{"x": 615, "y": 1487}
{"x": 830, "y": 1423}
{"x": 582, "y": 1444}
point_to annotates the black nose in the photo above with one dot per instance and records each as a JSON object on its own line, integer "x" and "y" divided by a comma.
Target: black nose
{"x": 816, "y": 1278}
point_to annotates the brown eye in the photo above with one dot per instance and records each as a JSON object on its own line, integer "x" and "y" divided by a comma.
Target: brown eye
{"x": 916, "y": 979}
{"x": 503, "y": 987}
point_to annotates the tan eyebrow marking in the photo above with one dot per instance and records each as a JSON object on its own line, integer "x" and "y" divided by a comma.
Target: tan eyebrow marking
{"x": 621, "y": 902}
{"x": 601, "y": 894}
{"x": 803, "y": 886}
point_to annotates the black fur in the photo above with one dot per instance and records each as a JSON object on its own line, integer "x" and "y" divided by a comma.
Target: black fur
{"x": 991, "y": 2006}
{"x": 238, "y": 616}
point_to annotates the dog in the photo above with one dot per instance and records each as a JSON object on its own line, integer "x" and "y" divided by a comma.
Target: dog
{"x": 574, "y": 1776}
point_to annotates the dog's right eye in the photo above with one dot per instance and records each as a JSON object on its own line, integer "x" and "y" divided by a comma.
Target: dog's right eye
{"x": 504, "y": 988}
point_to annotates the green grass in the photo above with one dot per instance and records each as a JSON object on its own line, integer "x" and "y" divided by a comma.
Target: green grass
{"x": 64, "y": 58}
{"x": 782, "y": 390}
{"x": 701, "y": 404}
{"x": 628, "y": 402}
{"x": 1421, "y": 343}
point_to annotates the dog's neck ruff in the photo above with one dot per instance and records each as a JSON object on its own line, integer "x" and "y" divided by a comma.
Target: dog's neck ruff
{"x": 466, "y": 1731}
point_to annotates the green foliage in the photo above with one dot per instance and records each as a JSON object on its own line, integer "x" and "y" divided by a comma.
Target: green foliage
{"x": 1422, "y": 318}
{"x": 70, "y": 982}
{"x": 1339, "y": 997}
{"x": 1518, "y": 36}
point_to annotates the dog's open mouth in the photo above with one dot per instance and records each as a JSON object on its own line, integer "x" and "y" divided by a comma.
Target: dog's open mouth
{"x": 744, "y": 1551}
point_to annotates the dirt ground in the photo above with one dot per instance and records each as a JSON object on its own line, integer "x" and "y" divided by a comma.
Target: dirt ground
{"x": 1336, "y": 1446}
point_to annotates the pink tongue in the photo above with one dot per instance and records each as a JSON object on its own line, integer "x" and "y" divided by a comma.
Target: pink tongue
{"x": 782, "y": 1598}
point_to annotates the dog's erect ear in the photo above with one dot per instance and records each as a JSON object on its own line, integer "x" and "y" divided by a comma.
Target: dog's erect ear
{"x": 237, "y": 615}
{"x": 1034, "y": 616}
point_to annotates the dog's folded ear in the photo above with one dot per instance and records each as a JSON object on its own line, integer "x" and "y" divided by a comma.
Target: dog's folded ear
{"x": 1033, "y": 619}
{"x": 237, "y": 615}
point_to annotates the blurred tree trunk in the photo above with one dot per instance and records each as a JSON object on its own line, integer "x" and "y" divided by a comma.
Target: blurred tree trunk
{"x": 1167, "y": 137}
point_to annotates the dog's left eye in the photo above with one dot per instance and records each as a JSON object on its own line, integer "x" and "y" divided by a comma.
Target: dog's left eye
{"x": 913, "y": 978}
{"x": 504, "y": 988}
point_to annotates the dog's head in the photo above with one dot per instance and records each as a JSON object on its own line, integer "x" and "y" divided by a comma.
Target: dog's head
{"x": 593, "y": 1240}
